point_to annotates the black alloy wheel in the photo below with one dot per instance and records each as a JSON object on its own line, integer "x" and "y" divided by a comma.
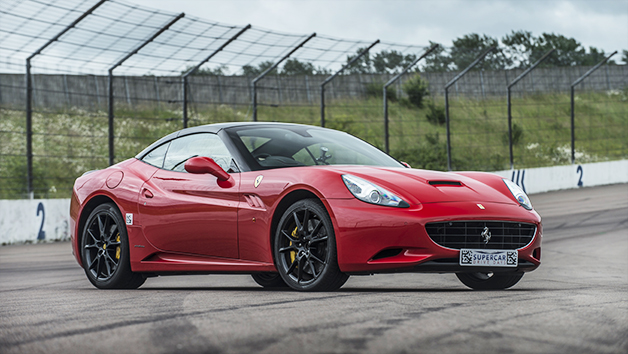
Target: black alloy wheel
{"x": 489, "y": 281}
{"x": 305, "y": 248}
{"x": 105, "y": 250}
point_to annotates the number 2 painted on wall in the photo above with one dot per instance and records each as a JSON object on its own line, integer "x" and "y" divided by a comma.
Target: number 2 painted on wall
{"x": 580, "y": 170}
{"x": 41, "y": 235}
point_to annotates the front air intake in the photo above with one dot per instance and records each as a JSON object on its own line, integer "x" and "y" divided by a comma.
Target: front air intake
{"x": 496, "y": 235}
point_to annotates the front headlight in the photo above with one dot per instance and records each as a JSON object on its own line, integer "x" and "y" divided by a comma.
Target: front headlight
{"x": 371, "y": 193}
{"x": 519, "y": 194}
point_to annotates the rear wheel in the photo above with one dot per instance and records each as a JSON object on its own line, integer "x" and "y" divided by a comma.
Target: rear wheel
{"x": 105, "y": 250}
{"x": 269, "y": 280}
{"x": 305, "y": 248}
{"x": 489, "y": 281}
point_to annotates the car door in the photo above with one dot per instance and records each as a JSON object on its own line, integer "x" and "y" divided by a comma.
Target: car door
{"x": 190, "y": 213}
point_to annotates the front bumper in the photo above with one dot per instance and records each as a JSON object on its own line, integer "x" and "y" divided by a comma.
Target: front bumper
{"x": 377, "y": 239}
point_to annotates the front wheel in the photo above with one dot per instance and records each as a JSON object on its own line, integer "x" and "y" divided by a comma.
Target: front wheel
{"x": 305, "y": 248}
{"x": 105, "y": 250}
{"x": 489, "y": 281}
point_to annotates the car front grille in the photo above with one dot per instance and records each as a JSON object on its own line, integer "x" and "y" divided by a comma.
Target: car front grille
{"x": 504, "y": 235}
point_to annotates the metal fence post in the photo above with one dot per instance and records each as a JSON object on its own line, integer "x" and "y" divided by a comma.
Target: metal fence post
{"x": 447, "y": 86}
{"x": 185, "y": 76}
{"x": 111, "y": 99}
{"x": 261, "y": 76}
{"x": 328, "y": 79}
{"x": 523, "y": 74}
{"x": 29, "y": 98}
{"x": 390, "y": 82}
{"x": 573, "y": 120}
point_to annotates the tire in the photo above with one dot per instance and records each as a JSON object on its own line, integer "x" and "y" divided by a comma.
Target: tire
{"x": 305, "y": 248}
{"x": 489, "y": 281}
{"x": 105, "y": 250}
{"x": 269, "y": 280}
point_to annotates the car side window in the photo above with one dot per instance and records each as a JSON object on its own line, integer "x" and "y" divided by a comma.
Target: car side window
{"x": 156, "y": 157}
{"x": 203, "y": 144}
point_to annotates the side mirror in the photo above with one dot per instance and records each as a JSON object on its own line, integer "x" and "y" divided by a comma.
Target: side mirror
{"x": 203, "y": 164}
{"x": 406, "y": 164}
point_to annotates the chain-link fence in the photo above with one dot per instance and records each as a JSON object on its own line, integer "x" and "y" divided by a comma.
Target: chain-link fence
{"x": 87, "y": 83}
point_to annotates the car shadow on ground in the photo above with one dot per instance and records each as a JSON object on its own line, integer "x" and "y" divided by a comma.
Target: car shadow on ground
{"x": 340, "y": 291}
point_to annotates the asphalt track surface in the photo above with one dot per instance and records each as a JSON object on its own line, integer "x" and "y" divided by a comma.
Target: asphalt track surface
{"x": 576, "y": 302}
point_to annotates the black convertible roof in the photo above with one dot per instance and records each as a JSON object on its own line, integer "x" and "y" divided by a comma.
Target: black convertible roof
{"x": 214, "y": 128}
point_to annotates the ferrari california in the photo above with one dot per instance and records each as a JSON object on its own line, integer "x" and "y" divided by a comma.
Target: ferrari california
{"x": 295, "y": 206}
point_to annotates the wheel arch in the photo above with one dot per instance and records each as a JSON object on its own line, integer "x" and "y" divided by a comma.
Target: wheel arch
{"x": 289, "y": 199}
{"x": 87, "y": 210}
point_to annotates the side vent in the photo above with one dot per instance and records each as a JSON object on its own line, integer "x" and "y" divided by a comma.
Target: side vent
{"x": 445, "y": 183}
{"x": 254, "y": 201}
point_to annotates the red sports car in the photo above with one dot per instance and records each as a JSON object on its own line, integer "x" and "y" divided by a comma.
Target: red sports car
{"x": 295, "y": 206}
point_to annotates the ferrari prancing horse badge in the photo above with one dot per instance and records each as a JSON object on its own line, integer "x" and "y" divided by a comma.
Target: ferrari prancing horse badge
{"x": 258, "y": 180}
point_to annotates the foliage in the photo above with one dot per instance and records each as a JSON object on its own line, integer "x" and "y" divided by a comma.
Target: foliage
{"x": 517, "y": 49}
{"x": 468, "y": 47}
{"x": 416, "y": 88}
{"x": 250, "y": 70}
{"x": 435, "y": 114}
{"x": 290, "y": 67}
{"x": 295, "y": 67}
{"x": 376, "y": 89}
{"x": 384, "y": 62}
{"x": 219, "y": 70}
{"x": 525, "y": 49}
{"x": 438, "y": 60}
{"x": 517, "y": 135}
{"x": 430, "y": 153}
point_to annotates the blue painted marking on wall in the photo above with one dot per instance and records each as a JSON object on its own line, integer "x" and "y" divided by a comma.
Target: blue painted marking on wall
{"x": 41, "y": 235}
{"x": 580, "y": 170}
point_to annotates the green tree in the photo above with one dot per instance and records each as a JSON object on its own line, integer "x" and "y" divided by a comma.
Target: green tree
{"x": 468, "y": 47}
{"x": 391, "y": 61}
{"x": 363, "y": 65}
{"x": 518, "y": 46}
{"x": 417, "y": 89}
{"x": 250, "y": 70}
{"x": 438, "y": 60}
{"x": 525, "y": 49}
{"x": 296, "y": 67}
{"x": 218, "y": 70}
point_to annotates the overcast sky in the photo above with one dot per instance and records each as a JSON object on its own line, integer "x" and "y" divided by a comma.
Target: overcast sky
{"x": 599, "y": 23}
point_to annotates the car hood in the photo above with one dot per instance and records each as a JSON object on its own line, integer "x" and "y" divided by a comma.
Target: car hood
{"x": 424, "y": 186}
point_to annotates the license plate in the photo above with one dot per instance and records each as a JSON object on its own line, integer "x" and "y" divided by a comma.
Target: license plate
{"x": 488, "y": 258}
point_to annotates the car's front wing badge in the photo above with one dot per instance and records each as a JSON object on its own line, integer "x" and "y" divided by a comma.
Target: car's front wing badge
{"x": 258, "y": 180}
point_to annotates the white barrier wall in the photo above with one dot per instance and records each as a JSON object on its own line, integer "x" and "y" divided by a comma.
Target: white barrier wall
{"x": 545, "y": 179}
{"x": 34, "y": 220}
{"x": 48, "y": 219}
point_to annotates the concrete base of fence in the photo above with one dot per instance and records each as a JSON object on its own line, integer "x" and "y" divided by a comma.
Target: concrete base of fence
{"x": 48, "y": 219}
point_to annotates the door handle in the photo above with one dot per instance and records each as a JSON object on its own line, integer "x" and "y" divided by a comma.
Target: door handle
{"x": 148, "y": 194}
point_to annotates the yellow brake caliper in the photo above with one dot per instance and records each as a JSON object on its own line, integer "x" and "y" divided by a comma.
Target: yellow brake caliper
{"x": 293, "y": 254}
{"x": 118, "y": 248}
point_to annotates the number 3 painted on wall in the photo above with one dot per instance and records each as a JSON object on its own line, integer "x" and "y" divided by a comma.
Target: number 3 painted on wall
{"x": 580, "y": 170}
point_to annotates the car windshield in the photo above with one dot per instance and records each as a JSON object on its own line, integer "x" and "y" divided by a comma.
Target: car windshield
{"x": 267, "y": 147}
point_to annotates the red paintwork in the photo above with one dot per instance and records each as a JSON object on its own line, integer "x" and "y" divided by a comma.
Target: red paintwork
{"x": 187, "y": 222}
